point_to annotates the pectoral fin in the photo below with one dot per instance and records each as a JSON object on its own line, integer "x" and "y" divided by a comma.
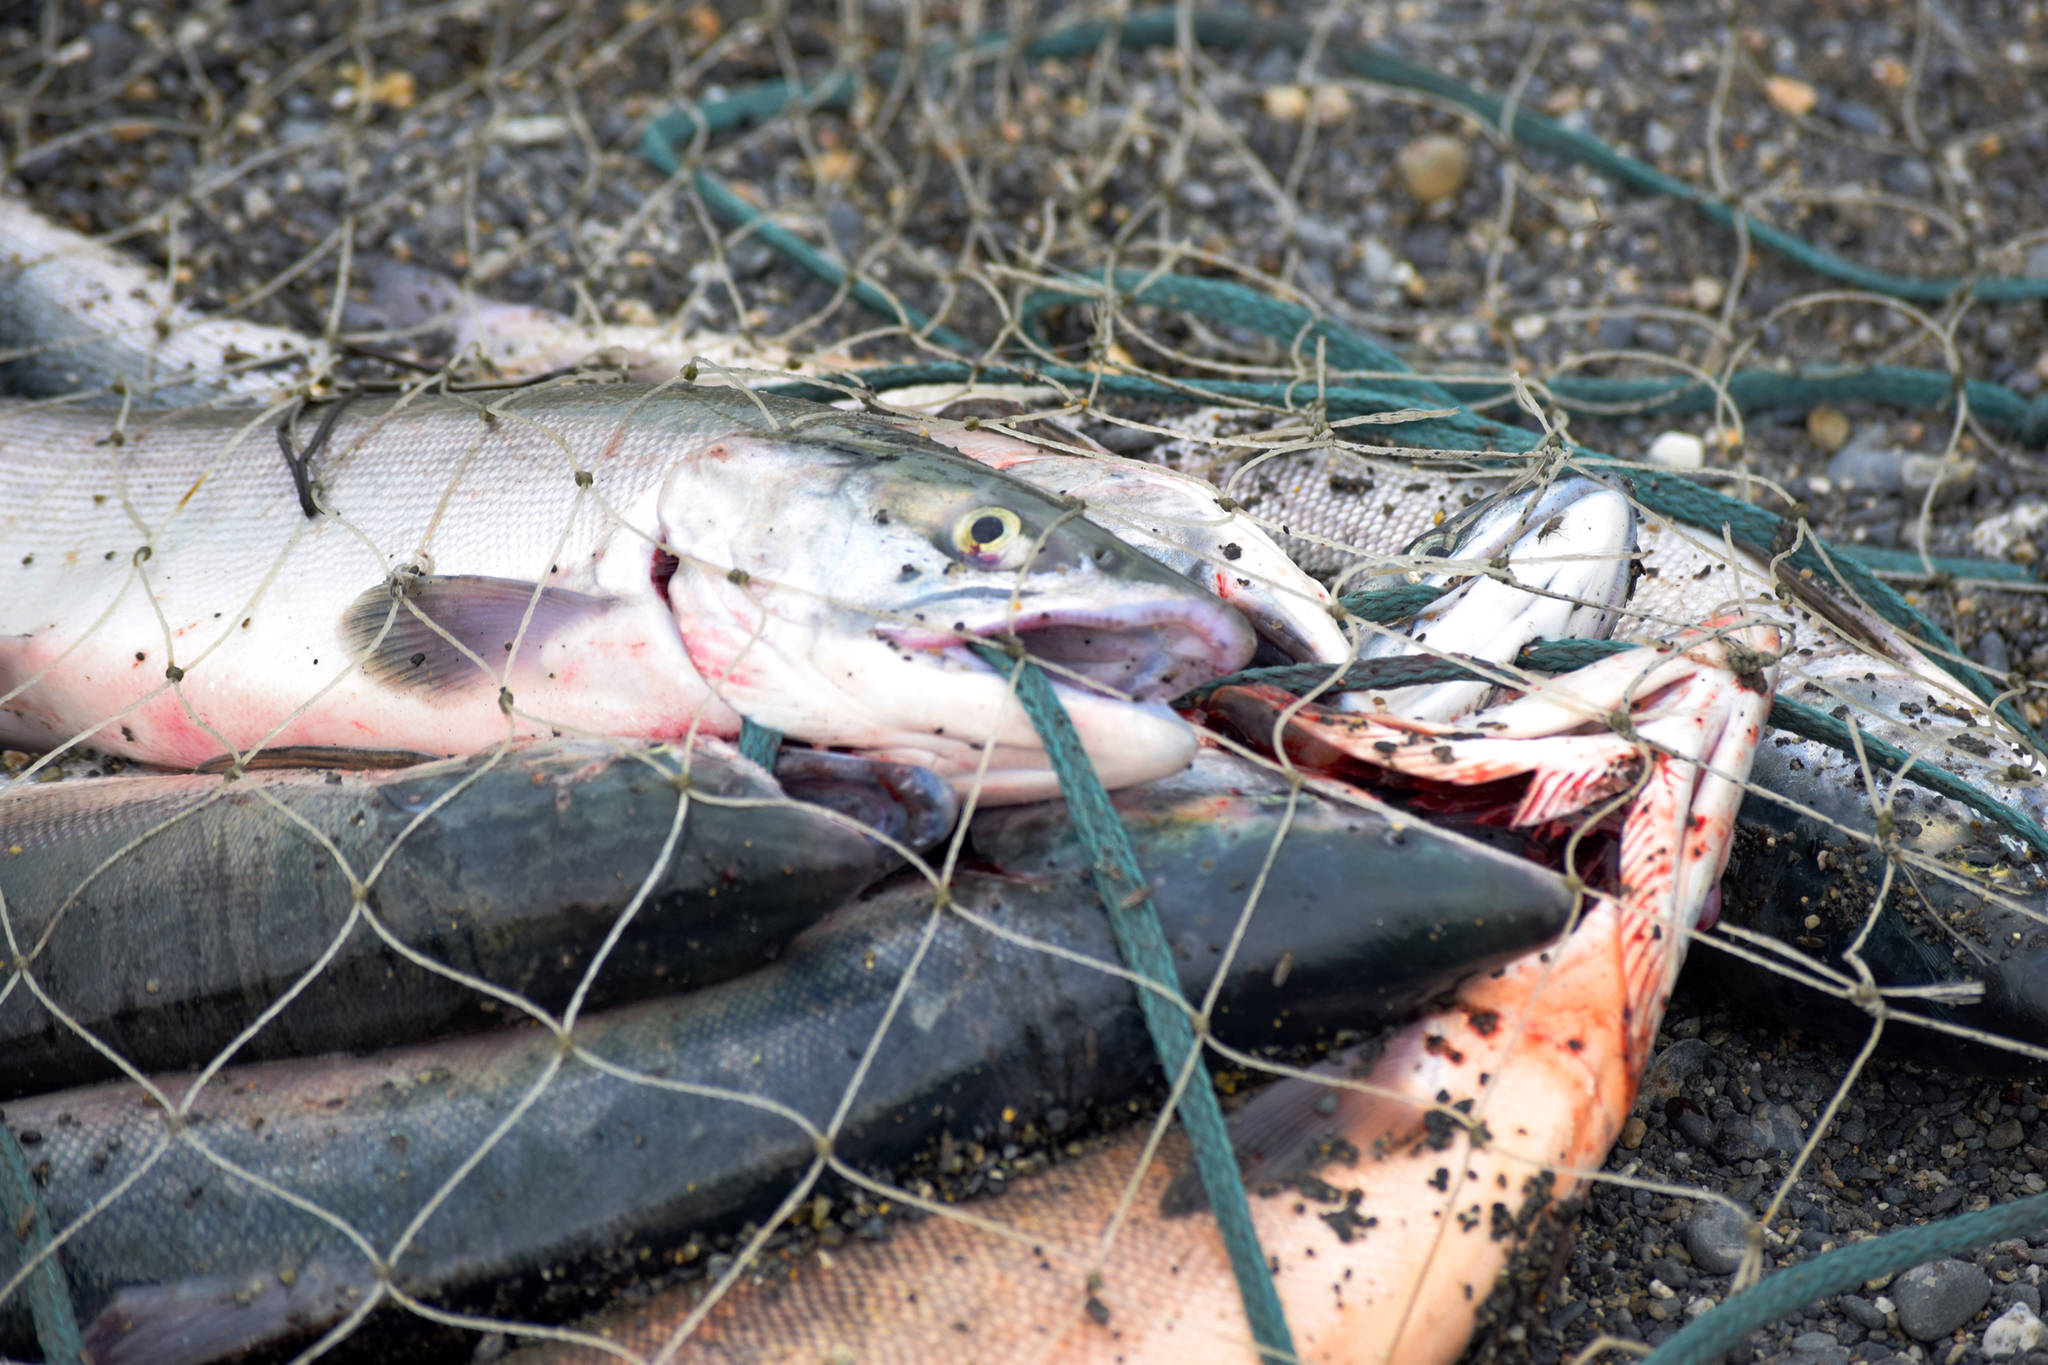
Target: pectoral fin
{"x": 423, "y": 634}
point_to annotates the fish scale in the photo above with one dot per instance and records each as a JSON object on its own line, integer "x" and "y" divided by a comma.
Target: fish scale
{"x": 664, "y": 559}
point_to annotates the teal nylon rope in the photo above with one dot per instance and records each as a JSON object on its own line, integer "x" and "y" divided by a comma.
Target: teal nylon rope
{"x": 1135, "y": 922}
{"x": 49, "y": 1297}
{"x": 1715, "y": 1334}
{"x": 759, "y": 742}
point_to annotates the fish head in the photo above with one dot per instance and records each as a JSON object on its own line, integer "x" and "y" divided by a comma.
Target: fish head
{"x": 1549, "y": 560}
{"x": 834, "y": 589}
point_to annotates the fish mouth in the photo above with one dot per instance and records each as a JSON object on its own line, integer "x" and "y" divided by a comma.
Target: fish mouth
{"x": 1146, "y": 652}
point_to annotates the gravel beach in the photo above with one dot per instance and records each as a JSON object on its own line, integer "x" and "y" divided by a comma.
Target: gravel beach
{"x": 256, "y": 153}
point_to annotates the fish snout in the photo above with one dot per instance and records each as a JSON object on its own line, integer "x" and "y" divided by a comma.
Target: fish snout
{"x": 1151, "y": 652}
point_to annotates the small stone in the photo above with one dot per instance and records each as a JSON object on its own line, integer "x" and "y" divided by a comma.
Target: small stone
{"x": 1288, "y": 103}
{"x": 1716, "y": 1237}
{"x": 1867, "y": 465}
{"x": 1862, "y": 1312}
{"x": 1790, "y": 95}
{"x": 1937, "y": 1298}
{"x": 1434, "y": 167}
{"x": 2016, "y": 1330}
{"x": 1777, "y": 1128}
{"x": 1676, "y": 1065}
{"x": 1632, "y": 1132}
{"x": 533, "y": 131}
{"x": 1949, "y": 476}
{"x": 2004, "y": 1136}
{"x": 1694, "y": 1126}
{"x": 1828, "y": 428}
{"x": 1679, "y": 450}
{"x": 1706, "y": 292}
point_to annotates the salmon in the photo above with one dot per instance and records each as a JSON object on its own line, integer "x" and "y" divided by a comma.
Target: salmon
{"x": 437, "y": 574}
{"x": 79, "y": 317}
{"x": 668, "y": 1122}
{"x": 1437, "y": 1157}
{"x": 164, "y": 914}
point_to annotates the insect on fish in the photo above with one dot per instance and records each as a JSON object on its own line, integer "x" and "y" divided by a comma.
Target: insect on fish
{"x": 603, "y": 559}
{"x": 1468, "y": 1125}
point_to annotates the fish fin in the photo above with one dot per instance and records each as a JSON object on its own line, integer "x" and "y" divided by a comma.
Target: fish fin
{"x": 437, "y": 623}
{"x": 1555, "y": 793}
{"x": 317, "y": 756}
{"x": 187, "y": 1322}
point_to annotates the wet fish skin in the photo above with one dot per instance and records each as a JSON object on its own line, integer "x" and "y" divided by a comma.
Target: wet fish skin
{"x": 521, "y": 341}
{"x": 78, "y": 317}
{"x": 992, "y": 1032}
{"x": 171, "y": 600}
{"x": 1984, "y": 893}
{"x": 215, "y": 896}
{"x": 1464, "y": 1128}
{"x": 1170, "y": 518}
{"x": 1564, "y": 550}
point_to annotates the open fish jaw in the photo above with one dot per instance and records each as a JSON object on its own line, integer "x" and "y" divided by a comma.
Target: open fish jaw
{"x": 1181, "y": 522}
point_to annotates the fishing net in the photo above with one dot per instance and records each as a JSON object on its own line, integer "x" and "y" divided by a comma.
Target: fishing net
{"x": 1355, "y": 269}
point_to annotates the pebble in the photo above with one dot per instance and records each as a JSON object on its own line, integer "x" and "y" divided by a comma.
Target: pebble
{"x": 1716, "y": 1237}
{"x": 1680, "y": 450}
{"x": 1676, "y": 1065}
{"x": 1949, "y": 476}
{"x": 1864, "y": 463}
{"x": 1862, "y": 1312}
{"x": 1777, "y": 1128}
{"x": 1937, "y": 1298}
{"x": 1996, "y": 536}
{"x": 2017, "y": 1329}
{"x": 1790, "y": 95}
{"x": 1632, "y": 1132}
{"x": 2006, "y": 1134}
{"x": 1434, "y": 167}
{"x": 1991, "y": 651}
{"x": 1828, "y": 428}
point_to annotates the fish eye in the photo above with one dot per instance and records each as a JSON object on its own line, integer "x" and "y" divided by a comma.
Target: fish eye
{"x": 987, "y": 532}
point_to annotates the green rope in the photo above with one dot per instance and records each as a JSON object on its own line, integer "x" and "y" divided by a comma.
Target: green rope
{"x": 1896, "y": 386}
{"x": 1388, "y": 605}
{"x": 1135, "y": 922}
{"x": 759, "y": 743}
{"x": 1716, "y": 1333}
{"x": 49, "y": 1297}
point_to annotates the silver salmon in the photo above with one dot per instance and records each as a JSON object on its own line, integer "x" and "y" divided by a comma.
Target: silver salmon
{"x": 165, "y": 914}
{"x": 603, "y": 559}
{"x": 77, "y": 316}
{"x": 683, "y": 1116}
